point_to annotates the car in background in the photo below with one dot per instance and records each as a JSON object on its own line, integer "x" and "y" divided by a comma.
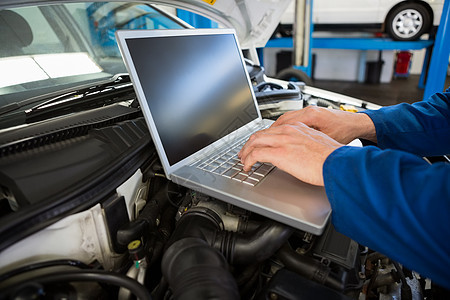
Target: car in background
{"x": 401, "y": 20}
{"x": 85, "y": 209}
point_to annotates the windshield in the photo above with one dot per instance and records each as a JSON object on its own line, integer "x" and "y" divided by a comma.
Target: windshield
{"x": 49, "y": 48}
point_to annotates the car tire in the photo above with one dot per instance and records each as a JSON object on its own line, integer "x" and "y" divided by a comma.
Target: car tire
{"x": 407, "y": 22}
{"x": 293, "y": 74}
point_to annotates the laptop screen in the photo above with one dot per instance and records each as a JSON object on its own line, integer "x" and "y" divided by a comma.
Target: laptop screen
{"x": 196, "y": 89}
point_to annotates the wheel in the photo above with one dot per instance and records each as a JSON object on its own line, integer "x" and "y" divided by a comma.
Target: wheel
{"x": 407, "y": 22}
{"x": 293, "y": 74}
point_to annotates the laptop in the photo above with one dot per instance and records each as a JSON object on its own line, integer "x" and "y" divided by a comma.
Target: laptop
{"x": 198, "y": 102}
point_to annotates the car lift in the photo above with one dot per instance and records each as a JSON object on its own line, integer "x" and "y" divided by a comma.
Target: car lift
{"x": 435, "y": 63}
{"x": 433, "y": 73}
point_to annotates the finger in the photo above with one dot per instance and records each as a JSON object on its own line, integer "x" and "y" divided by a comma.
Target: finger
{"x": 286, "y": 118}
{"x": 270, "y": 137}
{"x": 308, "y": 115}
{"x": 279, "y": 138}
{"x": 261, "y": 138}
{"x": 261, "y": 154}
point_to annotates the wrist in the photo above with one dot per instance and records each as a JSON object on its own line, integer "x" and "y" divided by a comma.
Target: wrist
{"x": 366, "y": 128}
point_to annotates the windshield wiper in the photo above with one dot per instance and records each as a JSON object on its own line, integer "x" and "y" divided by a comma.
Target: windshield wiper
{"x": 117, "y": 89}
{"x": 79, "y": 97}
{"x": 116, "y": 79}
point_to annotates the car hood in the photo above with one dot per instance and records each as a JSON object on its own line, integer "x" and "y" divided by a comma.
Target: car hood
{"x": 253, "y": 20}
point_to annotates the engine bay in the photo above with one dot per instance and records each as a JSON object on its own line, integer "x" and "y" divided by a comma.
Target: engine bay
{"x": 87, "y": 213}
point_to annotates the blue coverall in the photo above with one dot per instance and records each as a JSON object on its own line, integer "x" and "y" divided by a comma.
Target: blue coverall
{"x": 389, "y": 198}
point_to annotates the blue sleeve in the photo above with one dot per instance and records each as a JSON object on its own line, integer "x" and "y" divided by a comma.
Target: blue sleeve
{"x": 395, "y": 203}
{"x": 422, "y": 128}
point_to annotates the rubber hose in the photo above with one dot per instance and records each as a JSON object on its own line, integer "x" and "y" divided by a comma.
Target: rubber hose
{"x": 255, "y": 246}
{"x": 194, "y": 270}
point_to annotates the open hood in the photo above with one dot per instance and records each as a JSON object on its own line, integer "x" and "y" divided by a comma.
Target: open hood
{"x": 253, "y": 20}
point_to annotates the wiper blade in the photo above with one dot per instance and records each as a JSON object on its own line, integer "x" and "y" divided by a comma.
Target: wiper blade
{"x": 79, "y": 97}
{"x": 118, "y": 89}
{"x": 116, "y": 79}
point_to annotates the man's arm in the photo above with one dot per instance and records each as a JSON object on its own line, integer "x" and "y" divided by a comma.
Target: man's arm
{"x": 395, "y": 203}
{"x": 342, "y": 126}
{"x": 422, "y": 128}
{"x": 300, "y": 141}
{"x": 389, "y": 200}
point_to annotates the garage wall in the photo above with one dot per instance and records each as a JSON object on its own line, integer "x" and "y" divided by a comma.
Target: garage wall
{"x": 338, "y": 64}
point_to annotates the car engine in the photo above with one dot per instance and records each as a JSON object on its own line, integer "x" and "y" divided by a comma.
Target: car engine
{"x": 87, "y": 213}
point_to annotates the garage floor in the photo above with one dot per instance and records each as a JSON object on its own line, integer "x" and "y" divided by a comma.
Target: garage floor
{"x": 397, "y": 91}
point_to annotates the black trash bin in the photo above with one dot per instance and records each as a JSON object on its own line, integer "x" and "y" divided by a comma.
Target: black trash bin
{"x": 373, "y": 70}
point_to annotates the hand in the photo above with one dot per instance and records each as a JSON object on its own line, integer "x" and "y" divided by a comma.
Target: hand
{"x": 342, "y": 126}
{"x": 295, "y": 148}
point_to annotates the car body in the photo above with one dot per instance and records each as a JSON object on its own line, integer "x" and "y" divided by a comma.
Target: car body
{"x": 86, "y": 211}
{"x": 402, "y": 20}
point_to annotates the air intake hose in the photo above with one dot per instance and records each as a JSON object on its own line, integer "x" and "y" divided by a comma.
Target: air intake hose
{"x": 255, "y": 246}
{"x": 194, "y": 270}
{"x": 251, "y": 247}
{"x": 193, "y": 264}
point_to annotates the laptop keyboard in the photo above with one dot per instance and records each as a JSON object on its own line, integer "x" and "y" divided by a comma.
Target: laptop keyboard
{"x": 229, "y": 165}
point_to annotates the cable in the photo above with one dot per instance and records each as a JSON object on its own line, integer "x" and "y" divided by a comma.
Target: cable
{"x": 86, "y": 275}
{"x": 41, "y": 265}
